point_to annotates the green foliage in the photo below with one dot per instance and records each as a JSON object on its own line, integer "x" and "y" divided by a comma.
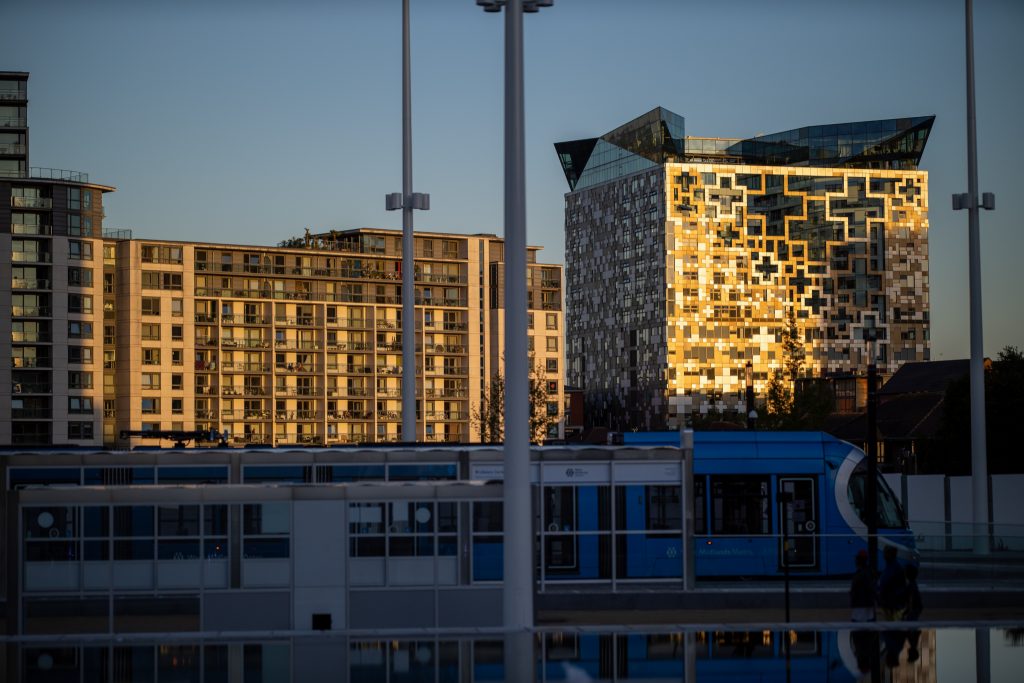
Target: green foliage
{"x": 792, "y": 347}
{"x": 778, "y": 404}
{"x": 490, "y": 416}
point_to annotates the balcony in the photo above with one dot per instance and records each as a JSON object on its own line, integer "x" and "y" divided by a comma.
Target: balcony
{"x": 31, "y": 337}
{"x": 56, "y": 173}
{"x": 446, "y": 393}
{"x": 31, "y": 388}
{"x": 298, "y": 391}
{"x": 30, "y": 311}
{"x": 31, "y": 257}
{"x": 27, "y": 202}
{"x": 22, "y": 283}
{"x": 389, "y": 415}
{"x": 12, "y": 122}
{"x": 31, "y": 229}
{"x": 295, "y": 415}
{"x": 13, "y": 95}
{"x": 38, "y": 362}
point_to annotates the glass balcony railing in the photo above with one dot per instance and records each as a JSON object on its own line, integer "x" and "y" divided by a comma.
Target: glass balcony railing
{"x": 27, "y": 202}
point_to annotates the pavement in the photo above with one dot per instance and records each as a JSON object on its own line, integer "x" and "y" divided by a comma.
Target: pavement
{"x": 945, "y": 601}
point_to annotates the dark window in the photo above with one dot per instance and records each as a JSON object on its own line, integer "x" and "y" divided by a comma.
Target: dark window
{"x": 740, "y": 505}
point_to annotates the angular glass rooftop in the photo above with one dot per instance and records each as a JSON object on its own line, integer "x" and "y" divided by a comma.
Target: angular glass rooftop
{"x": 658, "y": 137}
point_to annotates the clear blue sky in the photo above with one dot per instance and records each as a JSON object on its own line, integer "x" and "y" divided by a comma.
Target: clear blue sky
{"x": 247, "y": 121}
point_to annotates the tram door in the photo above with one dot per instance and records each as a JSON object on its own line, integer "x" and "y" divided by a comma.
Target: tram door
{"x": 797, "y": 507}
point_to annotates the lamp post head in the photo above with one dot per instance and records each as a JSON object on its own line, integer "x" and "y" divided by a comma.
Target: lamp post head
{"x": 529, "y": 6}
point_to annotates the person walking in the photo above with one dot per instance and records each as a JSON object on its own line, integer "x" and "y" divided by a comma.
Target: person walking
{"x": 862, "y": 590}
{"x": 892, "y": 586}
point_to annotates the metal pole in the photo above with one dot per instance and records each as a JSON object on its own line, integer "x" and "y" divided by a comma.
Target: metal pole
{"x": 785, "y": 497}
{"x": 979, "y": 457}
{"x": 408, "y": 286}
{"x": 518, "y": 562}
{"x": 871, "y": 490}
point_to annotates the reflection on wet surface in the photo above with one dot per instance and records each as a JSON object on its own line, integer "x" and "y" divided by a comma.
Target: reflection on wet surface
{"x": 905, "y": 656}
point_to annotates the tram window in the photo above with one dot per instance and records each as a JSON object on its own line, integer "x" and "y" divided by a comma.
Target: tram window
{"x": 560, "y": 508}
{"x": 277, "y": 474}
{"x": 664, "y": 507}
{"x": 339, "y": 473}
{"x": 193, "y": 475}
{"x": 487, "y": 516}
{"x": 740, "y": 505}
{"x": 43, "y": 476}
{"x": 422, "y": 472}
{"x": 890, "y": 512}
{"x": 700, "y": 520}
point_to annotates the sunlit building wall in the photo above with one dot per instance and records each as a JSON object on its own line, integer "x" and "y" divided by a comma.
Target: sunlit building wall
{"x": 685, "y": 258}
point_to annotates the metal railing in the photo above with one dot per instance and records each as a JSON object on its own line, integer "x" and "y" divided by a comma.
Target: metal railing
{"x": 56, "y": 173}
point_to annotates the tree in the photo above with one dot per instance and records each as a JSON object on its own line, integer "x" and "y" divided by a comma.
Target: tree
{"x": 778, "y": 405}
{"x": 792, "y": 347}
{"x": 1003, "y": 381}
{"x": 490, "y": 417}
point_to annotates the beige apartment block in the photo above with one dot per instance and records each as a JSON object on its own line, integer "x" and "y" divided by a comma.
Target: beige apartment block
{"x": 303, "y": 344}
{"x": 111, "y": 336}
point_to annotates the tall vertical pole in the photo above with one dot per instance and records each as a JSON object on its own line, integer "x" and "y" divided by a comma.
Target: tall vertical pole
{"x": 979, "y": 457}
{"x": 871, "y": 490}
{"x": 408, "y": 280}
{"x": 518, "y": 562}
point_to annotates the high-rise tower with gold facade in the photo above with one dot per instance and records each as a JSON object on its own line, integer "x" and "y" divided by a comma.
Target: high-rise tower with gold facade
{"x": 686, "y": 256}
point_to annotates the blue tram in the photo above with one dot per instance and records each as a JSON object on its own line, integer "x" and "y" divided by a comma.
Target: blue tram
{"x": 752, "y": 491}
{"x": 603, "y": 514}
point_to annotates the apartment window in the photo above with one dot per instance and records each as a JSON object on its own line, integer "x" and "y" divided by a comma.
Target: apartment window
{"x": 155, "y": 280}
{"x": 79, "y": 380}
{"x": 177, "y": 406}
{"x": 177, "y": 307}
{"x": 552, "y": 408}
{"x": 529, "y": 321}
{"x": 108, "y": 335}
{"x": 80, "y": 354}
{"x": 80, "y": 405}
{"x": 529, "y": 343}
{"x": 177, "y": 382}
{"x": 79, "y": 330}
{"x": 152, "y": 253}
{"x": 79, "y": 251}
{"x": 151, "y": 331}
{"x": 552, "y": 344}
{"x": 151, "y": 426}
{"x": 177, "y": 333}
{"x": 151, "y": 380}
{"x": 80, "y": 277}
{"x": 75, "y": 198}
{"x": 552, "y": 386}
{"x": 151, "y": 356}
{"x": 108, "y": 283}
{"x": 150, "y": 306}
{"x": 177, "y": 357}
{"x": 86, "y": 200}
{"x": 79, "y": 303}
{"x": 266, "y": 530}
{"x": 552, "y": 320}
{"x": 109, "y": 252}
{"x": 551, "y": 365}
{"x": 150, "y": 405}
{"x": 80, "y": 430}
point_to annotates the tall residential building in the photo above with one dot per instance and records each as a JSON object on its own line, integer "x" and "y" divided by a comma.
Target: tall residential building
{"x": 686, "y": 256}
{"x": 50, "y": 307}
{"x": 295, "y": 344}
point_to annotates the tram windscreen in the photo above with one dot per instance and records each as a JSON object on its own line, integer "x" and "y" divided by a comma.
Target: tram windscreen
{"x": 890, "y": 512}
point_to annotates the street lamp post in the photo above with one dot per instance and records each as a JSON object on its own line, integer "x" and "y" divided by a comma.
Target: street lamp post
{"x": 871, "y": 490}
{"x": 407, "y": 201}
{"x": 518, "y": 562}
{"x": 969, "y": 201}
